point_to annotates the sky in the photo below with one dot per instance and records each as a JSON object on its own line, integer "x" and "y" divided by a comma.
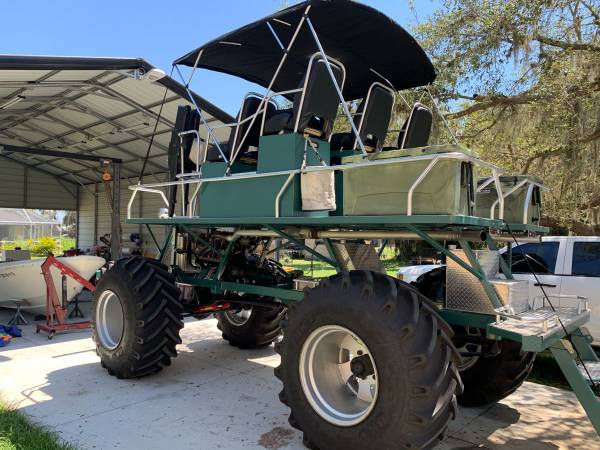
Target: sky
{"x": 157, "y": 30}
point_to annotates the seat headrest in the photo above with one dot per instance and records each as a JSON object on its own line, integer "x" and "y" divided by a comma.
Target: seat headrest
{"x": 249, "y": 107}
{"x": 376, "y": 115}
{"x": 417, "y": 128}
{"x": 317, "y": 109}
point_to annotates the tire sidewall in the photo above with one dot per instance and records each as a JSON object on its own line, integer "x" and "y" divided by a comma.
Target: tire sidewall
{"x": 389, "y": 401}
{"x": 114, "y": 281}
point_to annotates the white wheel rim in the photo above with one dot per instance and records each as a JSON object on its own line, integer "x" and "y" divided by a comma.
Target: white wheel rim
{"x": 110, "y": 320}
{"x": 239, "y": 317}
{"x": 329, "y": 361}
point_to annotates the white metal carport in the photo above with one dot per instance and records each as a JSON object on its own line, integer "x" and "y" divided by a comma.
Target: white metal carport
{"x": 60, "y": 115}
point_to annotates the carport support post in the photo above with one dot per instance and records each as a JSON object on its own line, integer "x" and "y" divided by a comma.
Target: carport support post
{"x": 115, "y": 232}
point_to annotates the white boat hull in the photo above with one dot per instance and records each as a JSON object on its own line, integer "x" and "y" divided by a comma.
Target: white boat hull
{"x": 23, "y": 281}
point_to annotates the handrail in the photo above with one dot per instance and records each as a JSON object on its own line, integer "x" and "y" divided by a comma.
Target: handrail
{"x": 418, "y": 181}
{"x": 514, "y": 189}
{"x": 151, "y": 187}
{"x": 142, "y": 188}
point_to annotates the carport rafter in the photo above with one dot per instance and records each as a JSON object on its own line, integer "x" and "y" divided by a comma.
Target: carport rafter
{"x": 75, "y": 130}
{"x": 37, "y": 112}
{"x": 35, "y": 145}
{"x": 102, "y": 119}
{"x": 37, "y": 166}
{"x": 100, "y": 122}
{"x": 59, "y": 154}
{"x": 104, "y": 142}
{"x": 94, "y": 86}
{"x": 51, "y": 174}
{"x": 55, "y": 97}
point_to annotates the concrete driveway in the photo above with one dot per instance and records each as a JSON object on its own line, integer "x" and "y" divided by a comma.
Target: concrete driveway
{"x": 216, "y": 396}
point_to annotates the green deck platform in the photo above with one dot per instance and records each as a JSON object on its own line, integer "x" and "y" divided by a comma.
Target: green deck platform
{"x": 361, "y": 222}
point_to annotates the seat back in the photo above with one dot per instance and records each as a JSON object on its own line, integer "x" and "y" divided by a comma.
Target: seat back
{"x": 316, "y": 106}
{"x": 249, "y": 107}
{"x": 417, "y": 128}
{"x": 376, "y": 114}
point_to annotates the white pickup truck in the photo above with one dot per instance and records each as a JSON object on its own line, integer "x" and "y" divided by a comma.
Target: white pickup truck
{"x": 564, "y": 265}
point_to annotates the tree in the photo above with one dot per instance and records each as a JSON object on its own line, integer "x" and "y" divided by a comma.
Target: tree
{"x": 520, "y": 82}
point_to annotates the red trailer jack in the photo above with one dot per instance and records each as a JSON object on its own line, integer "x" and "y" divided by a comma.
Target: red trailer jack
{"x": 56, "y": 309}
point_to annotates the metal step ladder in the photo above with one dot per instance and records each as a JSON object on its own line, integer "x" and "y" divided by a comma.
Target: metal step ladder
{"x": 558, "y": 330}
{"x": 537, "y": 329}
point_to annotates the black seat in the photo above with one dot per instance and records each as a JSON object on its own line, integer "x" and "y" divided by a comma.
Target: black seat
{"x": 416, "y": 130}
{"x": 247, "y": 152}
{"x": 315, "y": 108}
{"x": 372, "y": 121}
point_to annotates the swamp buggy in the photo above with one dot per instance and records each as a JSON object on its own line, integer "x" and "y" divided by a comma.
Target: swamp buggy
{"x": 366, "y": 359}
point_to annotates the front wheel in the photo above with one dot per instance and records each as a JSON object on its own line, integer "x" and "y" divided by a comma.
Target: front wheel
{"x": 367, "y": 362}
{"x": 136, "y": 318}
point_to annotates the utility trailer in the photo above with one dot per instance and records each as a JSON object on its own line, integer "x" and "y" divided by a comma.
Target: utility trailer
{"x": 366, "y": 360}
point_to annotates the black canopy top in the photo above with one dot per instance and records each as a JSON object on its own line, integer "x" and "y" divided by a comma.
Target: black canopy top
{"x": 362, "y": 38}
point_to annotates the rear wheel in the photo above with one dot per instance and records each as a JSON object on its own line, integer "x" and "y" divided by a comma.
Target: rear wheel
{"x": 367, "y": 362}
{"x": 136, "y": 318}
{"x": 250, "y": 327}
{"x": 492, "y": 378}
{"x": 490, "y": 371}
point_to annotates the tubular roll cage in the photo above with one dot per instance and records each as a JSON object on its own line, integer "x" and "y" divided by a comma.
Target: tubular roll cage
{"x": 196, "y": 176}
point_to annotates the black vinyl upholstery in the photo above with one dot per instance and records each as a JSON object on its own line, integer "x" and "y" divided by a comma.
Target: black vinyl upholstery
{"x": 249, "y": 107}
{"x": 417, "y": 128}
{"x": 316, "y": 110}
{"x": 186, "y": 119}
{"x": 372, "y": 121}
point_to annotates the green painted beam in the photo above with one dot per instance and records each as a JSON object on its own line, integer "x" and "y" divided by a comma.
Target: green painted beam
{"x": 225, "y": 259}
{"x": 394, "y": 221}
{"x": 583, "y": 391}
{"x": 583, "y": 343}
{"x": 331, "y": 250}
{"x": 200, "y": 239}
{"x": 167, "y": 242}
{"x": 435, "y": 244}
{"x": 461, "y": 318}
{"x": 153, "y": 237}
{"x": 302, "y": 245}
{"x": 218, "y": 287}
{"x": 504, "y": 267}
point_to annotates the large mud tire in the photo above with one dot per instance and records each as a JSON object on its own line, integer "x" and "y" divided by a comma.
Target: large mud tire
{"x": 259, "y": 329}
{"x": 409, "y": 344}
{"x": 491, "y": 379}
{"x": 144, "y": 332}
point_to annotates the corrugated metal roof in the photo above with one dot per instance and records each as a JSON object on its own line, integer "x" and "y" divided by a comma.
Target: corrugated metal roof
{"x": 99, "y": 106}
{"x": 9, "y": 216}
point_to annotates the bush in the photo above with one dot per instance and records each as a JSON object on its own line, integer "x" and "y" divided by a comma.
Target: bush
{"x": 44, "y": 246}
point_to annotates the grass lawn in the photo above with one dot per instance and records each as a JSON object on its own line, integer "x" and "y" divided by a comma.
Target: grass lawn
{"x": 320, "y": 269}
{"x": 18, "y": 433}
{"x": 546, "y": 371}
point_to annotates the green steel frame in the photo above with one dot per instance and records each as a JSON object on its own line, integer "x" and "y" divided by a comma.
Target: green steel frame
{"x": 420, "y": 225}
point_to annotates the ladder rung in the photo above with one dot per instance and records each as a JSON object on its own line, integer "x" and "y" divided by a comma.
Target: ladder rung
{"x": 593, "y": 367}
